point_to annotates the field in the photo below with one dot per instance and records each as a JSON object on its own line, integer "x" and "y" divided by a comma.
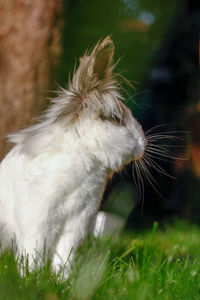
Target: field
{"x": 155, "y": 264}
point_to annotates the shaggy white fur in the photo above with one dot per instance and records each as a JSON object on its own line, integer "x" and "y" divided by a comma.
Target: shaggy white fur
{"x": 52, "y": 181}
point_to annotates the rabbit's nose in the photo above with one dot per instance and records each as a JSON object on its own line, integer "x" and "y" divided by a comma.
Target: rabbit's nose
{"x": 140, "y": 147}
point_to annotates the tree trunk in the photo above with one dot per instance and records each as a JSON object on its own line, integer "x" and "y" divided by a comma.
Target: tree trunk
{"x": 29, "y": 46}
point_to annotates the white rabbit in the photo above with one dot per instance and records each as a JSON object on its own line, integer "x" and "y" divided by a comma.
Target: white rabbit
{"x": 52, "y": 181}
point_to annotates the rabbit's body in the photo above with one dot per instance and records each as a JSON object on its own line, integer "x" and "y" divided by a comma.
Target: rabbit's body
{"x": 51, "y": 198}
{"x": 52, "y": 181}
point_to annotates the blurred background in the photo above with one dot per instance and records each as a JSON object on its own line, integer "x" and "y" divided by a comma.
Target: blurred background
{"x": 158, "y": 46}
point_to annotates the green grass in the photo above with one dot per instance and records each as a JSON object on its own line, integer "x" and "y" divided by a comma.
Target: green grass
{"x": 156, "y": 264}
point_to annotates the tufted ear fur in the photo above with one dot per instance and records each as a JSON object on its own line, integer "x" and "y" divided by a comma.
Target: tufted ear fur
{"x": 95, "y": 67}
{"x": 103, "y": 54}
{"x": 92, "y": 80}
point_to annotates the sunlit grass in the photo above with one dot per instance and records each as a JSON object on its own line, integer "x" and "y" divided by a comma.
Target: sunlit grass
{"x": 155, "y": 264}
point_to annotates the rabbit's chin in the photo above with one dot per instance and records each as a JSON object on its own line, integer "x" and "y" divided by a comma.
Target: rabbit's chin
{"x": 137, "y": 155}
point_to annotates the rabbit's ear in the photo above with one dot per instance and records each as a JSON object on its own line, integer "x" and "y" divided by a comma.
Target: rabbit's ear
{"x": 103, "y": 54}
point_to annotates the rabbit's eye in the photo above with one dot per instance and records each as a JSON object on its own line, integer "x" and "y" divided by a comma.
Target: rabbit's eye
{"x": 115, "y": 119}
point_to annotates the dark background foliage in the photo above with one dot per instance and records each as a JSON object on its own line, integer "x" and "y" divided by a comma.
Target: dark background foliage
{"x": 158, "y": 43}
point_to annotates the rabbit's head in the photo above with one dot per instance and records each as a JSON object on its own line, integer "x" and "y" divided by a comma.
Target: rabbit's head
{"x": 94, "y": 110}
{"x": 103, "y": 122}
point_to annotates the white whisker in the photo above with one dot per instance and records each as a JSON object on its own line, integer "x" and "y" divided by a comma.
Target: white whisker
{"x": 164, "y": 154}
{"x": 168, "y": 145}
{"x": 135, "y": 176}
{"x": 158, "y": 149}
{"x": 153, "y": 128}
{"x": 160, "y": 153}
{"x": 157, "y": 167}
{"x": 138, "y": 179}
{"x": 141, "y": 181}
{"x": 149, "y": 176}
{"x": 156, "y": 137}
{"x": 156, "y": 156}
